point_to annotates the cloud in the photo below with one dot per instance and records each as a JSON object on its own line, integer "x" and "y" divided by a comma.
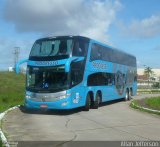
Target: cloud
{"x": 145, "y": 28}
{"x": 90, "y": 18}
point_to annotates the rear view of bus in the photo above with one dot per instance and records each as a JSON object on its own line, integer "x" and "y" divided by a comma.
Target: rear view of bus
{"x": 67, "y": 72}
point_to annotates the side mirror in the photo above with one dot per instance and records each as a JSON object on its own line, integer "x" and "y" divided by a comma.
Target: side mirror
{"x": 17, "y": 68}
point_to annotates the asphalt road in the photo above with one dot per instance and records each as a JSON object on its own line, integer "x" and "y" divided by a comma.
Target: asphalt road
{"x": 112, "y": 121}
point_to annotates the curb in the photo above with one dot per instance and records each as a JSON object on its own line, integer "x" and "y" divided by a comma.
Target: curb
{"x": 4, "y": 139}
{"x": 144, "y": 108}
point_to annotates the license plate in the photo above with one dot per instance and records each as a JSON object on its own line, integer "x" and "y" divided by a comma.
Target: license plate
{"x": 43, "y": 106}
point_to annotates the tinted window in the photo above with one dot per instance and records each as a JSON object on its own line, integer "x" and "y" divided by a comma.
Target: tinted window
{"x": 77, "y": 71}
{"x": 107, "y": 54}
{"x": 50, "y": 79}
{"x": 96, "y": 52}
{"x": 99, "y": 52}
{"x": 80, "y": 47}
{"x": 52, "y": 47}
{"x": 100, "y": 79}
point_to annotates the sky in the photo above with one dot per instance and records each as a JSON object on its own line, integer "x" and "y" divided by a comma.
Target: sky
{"x": 129, "y": 25}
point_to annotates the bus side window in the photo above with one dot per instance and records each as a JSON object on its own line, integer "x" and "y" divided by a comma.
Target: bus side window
{"x": 110, "y": 80}
{"x": 96, "y": 52}
{"x": 80, "y": 48}
{"x": 77, "y": 69}
{"x": 100, "y": 79}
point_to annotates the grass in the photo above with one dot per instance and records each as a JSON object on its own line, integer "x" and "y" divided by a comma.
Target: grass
{"x": 12, "y": 88}
{"x": 151, "y": 103}
{"x": 0, "y": 142}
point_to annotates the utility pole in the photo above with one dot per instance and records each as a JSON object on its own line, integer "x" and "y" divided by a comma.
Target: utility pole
{"x": 16, "y": 53}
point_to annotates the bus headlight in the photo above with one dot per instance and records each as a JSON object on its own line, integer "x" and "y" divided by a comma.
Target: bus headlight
{"x": 64, "y": 96}
{"x": 28, "y": 95}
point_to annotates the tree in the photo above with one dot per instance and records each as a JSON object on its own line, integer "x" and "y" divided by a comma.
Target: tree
{"x": 148, "y": 72}
{"x": 156, "y": 85}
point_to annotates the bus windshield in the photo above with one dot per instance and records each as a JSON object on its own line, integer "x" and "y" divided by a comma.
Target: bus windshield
{"x": 48, "y": 79}
{"x": 59, "y": 47}
{"x": 52, "y": 47}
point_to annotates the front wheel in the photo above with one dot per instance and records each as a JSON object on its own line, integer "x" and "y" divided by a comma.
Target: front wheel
{"x": 88, "y": 103}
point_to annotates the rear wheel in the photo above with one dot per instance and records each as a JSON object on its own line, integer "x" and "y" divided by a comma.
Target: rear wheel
{"x": 88, "y": 103}
{"x": 97, "y": 101}
{"x": 130, "y": 94}
{"x": 127, "y": 95}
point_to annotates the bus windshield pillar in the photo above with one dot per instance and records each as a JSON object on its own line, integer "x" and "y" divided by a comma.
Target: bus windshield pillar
{"x": 70, "y": 60}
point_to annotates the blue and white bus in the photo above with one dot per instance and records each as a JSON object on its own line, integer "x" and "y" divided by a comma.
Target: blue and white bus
{"x": 67, "y": 72}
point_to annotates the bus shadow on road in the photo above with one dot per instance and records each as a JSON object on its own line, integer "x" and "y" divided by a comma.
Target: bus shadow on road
{"x": 63, "y": 112}
{"x": 110, "y": 102}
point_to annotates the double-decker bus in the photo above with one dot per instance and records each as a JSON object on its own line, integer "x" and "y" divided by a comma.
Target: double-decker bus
{"x": 67, "y": 72}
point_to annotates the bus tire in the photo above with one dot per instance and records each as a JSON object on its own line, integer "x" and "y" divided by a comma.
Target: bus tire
{"x": 88, "y": 103}
{"x": 126, "y": 98}
{"x": 130, "y": 94}
{"x": 97, "y": 101}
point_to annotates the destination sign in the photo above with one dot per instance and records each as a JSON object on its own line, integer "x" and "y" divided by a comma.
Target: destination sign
{"x": 46, "y": 63}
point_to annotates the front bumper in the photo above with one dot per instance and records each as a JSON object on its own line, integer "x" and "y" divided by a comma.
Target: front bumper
{"x": 59, "y": 104}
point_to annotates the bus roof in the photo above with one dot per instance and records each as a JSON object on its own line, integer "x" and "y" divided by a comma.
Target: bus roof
{"x": 86, "y": 38}
{"x": 67, "y": 36}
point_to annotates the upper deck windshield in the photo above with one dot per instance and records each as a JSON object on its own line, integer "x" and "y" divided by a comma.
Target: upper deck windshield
{"x": 59, "y": 47}
{"x": 52, "y": 47}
